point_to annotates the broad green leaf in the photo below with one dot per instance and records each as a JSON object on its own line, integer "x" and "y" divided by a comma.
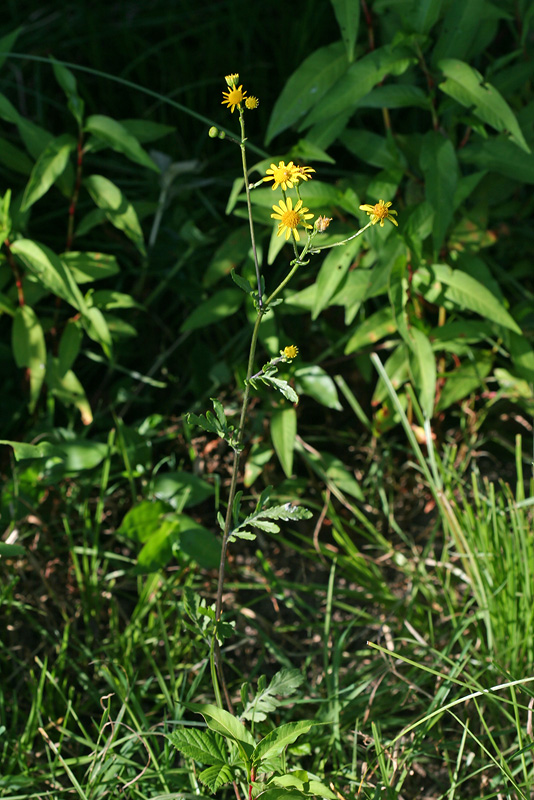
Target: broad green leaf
{"x": 11, "y": 550}
{"x": 229, "y": 255}
{"x": 142, "y": 521}
{"x": 69, "y": 345}
{"x": 181, "y": 489}
{"x": 395, "y": 95}
{"x": 502, "y": 156}
{"x": 522, "y": 355}
{"x": 440, "y": 170}
{"x": 23, "y": 450}
{"x": 203, "y": 746}
{"x": 424, "y": 370}
{"x": 158, "y": 550}
{"x": 67, "y": 81}
{"x": 467, "y": 86}
{"x": 283, "y": 433}
{"x": 109, "y": 298}
{"x": 379, "y": 151}
{"x": 216, "y": 776}
{"x": 459, "y": 29}
{"x": 306, "y": 87}
{"x": 29, "y": 349}
{"x": 97, "y": 329}
{"x": 221, "y": 721}
{"x": 312, "y": 380}
{"x": 88, "y": 267}
{"x": 348, "y": 18}
{"x": 424, "y": 14}
{"x": 374, "y": 328}
{"x": 198, "y": 543}
{"x": 49, "y": 270}
{"x": 118, "y": 210}
{"x": 67, "y": 388}
{"x": 333, "y": 269}
{"x": 281, "y": 793}
{"x": 145, "y": 130}
{"x": 466, "y": 292}
{"x": 6, "y": 43}
{"x": 82, "y": 454}
{"x": 119, "y": 139}
{"x": 358, "y": 80}
{"x": 276, "y": 741}
{"x": 219, "y": 306}
{"x": 14, "y": 158}
{"x": 464, "y": 380}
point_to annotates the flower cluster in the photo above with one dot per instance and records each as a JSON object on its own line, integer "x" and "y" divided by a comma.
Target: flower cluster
{"x": 235, "y": 96}
{"x": 288, "y": 176}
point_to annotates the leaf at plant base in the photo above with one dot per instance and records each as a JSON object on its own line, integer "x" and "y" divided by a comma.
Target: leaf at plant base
{"x": 11, "y": 550}
{"x": 23, "y": 450}
{"x": 82, "y": 454}
{"x": 29, "y": 349}
{"x": 119, "y": 139}
{"x": 48, "y": 167}
{"x": 49, "y": 270}
{"x": 158, "y": 550}
{"x": 88, "y": 267}
{"x": 276, "y": 741}
{"x": 464, "y": 380}
{"x": 118, "y": 210}
{"x": 221, "y": 721}
{"x": 502, "y": 156}
{"x": 68, "y": 389}
{"x": 181, "y": 489}
{"x": 468, "y": 87}
{"x": 216, "y": 776}
{"x": 203, "y": 746}
{"x": 307, "y": 86}
{"x": 281, "y": 793}
{"x": 219, "y": 306}
{"x": 440, "y": 169}
{"x": 312, "y": 380}
{"x": 143, "y": 520}
{"x": 198, "y": 542}
{"x": 397, "y": 368}
{"x": 283, "y": 433}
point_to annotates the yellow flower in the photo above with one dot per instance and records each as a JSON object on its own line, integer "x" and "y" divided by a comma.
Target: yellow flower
{"x": 380, "y": 212}
{"x": 301, "y": 174}
{"x": 282, "y": 175}
{"x": 291, "y": 217}
{"x": 234, "y": 98}
{"x": 252, "y": 102}
{"x": 291, "y": 351}
{"x": 232, "y": 80}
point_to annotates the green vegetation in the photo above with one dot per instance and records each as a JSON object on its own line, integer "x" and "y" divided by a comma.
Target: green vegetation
{"x": 267, "y": 503}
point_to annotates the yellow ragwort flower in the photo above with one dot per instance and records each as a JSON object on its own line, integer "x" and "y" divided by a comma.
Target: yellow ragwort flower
{"x": 282, "y": 175}
{"x": 291, "y": 217}
{"x": 302, "y": 174}
{"x": 291, "y": 351}
{"x": 232, "y": 80}
{"x": 252, "y": 102}
{"x": 380, "y": 212}
{"x": 234, "y": 98}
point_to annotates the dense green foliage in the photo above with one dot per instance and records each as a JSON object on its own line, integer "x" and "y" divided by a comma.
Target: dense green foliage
{"x": 383, "y": 647}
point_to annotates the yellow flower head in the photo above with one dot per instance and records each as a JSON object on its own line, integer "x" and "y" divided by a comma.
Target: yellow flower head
{"x": 282, "y": 175}
{"x": 302, "y": 174}
{"x": 291, "y": 351}
{"x": 252, "y": 102}
{"x": 234, "y": 98}
{"x": 380, "y": 212}
{"x": 232, "y": 80}
{"x": 291, "y": 217}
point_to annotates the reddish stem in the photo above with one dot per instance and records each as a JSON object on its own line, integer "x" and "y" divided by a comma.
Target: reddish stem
{"x": 76, "y": 192}
{"x": 16, "y": 272}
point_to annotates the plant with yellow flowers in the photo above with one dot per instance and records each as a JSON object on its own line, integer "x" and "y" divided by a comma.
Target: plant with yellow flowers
{"x": 254, "y": 765}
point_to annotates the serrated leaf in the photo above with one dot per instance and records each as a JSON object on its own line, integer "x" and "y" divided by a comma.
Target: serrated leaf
{"x": 283, "y": 684}
{"x": 468, "y": 87}
{"x": 282, "y": 386}
{"x": 276, "y": 741}
{"x": 203, "y": 746}
{"x": 215, "y": 777}
{"x": 221, "y": 721}
{"x": 119, "y": 139}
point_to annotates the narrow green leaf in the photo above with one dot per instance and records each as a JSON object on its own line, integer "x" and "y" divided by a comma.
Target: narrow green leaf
{"x": 424, "y": 14}
{"x": 374, "y": 328}
{"x": 333, "y": 269}
{"x": 502, "y": 156}
{"x": 69, "y": 345}
{"x": 276, "y": 741}
{"x": 7, "y": 42}
{"x": 464, "y": 380}
{"x": 424, "y": 370}
{"x": 29, "y": 349}
{"x": 458, "y": 30}
{"x": 440, "y": 170}
{"x": 88, "y": 267}
{"x": 306, "y": 87}
{"x": 468, "y": 87}
{"x": 67, "y": 81}
{"x": 67, "y": 388}
{"x": 219, "y": 306}
{"x": 116, "y": 207}
{"x": 312, "y": 380}
{"x": 119, "y": 139}
{"x": 50, "y": 271}
{"x": 348, "y": 18}
{"x": 283, "y": 433}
